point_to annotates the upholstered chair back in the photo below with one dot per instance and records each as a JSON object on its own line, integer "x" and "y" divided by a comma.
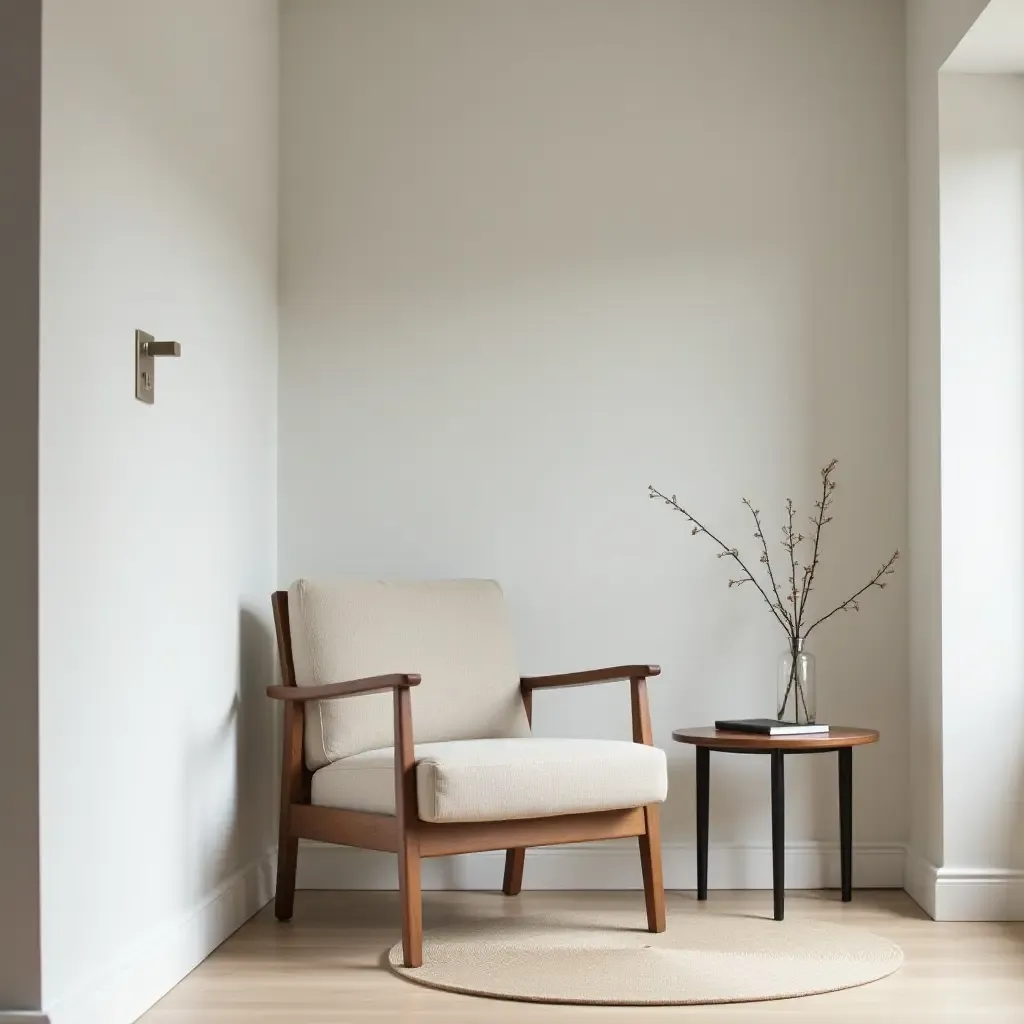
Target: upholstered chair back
{"x": 454, "y": 633}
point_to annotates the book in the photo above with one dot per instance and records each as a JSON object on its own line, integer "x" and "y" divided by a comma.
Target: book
{"x": 768, "y": 727}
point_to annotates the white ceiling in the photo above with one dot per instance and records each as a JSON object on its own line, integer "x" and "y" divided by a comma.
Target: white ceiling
{"x": 994, "y": 44}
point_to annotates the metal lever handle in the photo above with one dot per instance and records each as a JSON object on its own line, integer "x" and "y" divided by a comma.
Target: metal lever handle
{"x": 161, "y": 348}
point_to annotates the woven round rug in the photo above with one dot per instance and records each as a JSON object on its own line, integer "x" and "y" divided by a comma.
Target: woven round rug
{"x": 607, "y": 958}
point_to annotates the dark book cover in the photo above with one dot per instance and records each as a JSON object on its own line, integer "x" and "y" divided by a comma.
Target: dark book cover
{"x": 768, "y": 727}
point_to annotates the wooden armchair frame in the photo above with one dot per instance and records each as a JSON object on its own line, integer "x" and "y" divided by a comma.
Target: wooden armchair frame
{"x": 412, "y": 839}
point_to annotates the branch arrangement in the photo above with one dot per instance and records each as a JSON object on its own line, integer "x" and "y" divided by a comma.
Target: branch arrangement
{"x": 788, "y": 603}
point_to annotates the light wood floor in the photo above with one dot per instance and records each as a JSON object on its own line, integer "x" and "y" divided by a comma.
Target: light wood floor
{"x": 326, "y": 966}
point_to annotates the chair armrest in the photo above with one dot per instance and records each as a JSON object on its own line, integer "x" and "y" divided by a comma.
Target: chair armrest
{"x": 593, "y": 675}
{"x": 350, "y": 688}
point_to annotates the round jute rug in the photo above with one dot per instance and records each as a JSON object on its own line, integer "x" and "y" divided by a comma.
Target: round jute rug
{"x": 607, "y": 958}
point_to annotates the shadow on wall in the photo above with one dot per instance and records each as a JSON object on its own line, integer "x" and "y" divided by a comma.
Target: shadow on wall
{"x": 1017, "y": 830}
{"x": 244, "y": 735}
{"x": 257, "y": 777}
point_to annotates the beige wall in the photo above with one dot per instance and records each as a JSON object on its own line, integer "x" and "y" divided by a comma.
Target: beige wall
{"x": 20, "y": 973}
{"x": 536, "y": 256}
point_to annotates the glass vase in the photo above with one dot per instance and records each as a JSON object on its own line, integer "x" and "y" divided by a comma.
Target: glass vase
{"x": 797, "y": 698}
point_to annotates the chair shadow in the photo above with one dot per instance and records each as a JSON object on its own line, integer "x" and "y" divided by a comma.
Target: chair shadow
{"x": 487, "y": 917}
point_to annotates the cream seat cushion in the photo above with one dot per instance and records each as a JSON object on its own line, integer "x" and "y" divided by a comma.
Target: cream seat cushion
{"x": 498, "y": 779}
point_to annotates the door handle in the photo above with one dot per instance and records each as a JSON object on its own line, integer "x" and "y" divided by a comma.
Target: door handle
{"x": 161, "y": 348}
{"x": 147, "y": 350}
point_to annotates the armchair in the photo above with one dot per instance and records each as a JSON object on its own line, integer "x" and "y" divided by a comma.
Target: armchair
{"x": 474, "y": 779}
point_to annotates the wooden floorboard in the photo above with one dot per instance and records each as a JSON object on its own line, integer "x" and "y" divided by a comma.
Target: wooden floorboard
{"x": 326, "y": 966}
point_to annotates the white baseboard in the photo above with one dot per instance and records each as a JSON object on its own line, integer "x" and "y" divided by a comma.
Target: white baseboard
{"x": 610, "y": 865}
{"x": 155, "y": 963}
{"x": 920, "y": 877}
{"x": 965, "y": 894}
{"x": 979, "y": 894}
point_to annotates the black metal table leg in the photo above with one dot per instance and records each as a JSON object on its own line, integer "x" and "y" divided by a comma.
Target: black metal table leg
{"x": 703, "y": 802}
{"x": 779, "y": 833}
{"x": 846, "y": 820}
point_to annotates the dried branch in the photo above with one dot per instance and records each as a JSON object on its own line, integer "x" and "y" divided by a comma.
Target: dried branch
{"x": 790, "y": 542}
{"x": 827, "y": 487}
{"x": 726, "y": 552}
{"x": 800, "y": 586}
{"x": 851, "y": 602}
{"x": 767, "y": 562}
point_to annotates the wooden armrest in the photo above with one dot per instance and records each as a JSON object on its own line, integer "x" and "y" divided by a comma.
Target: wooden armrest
{"x": 593, "y": 675}
{"x": 350, "y": 688}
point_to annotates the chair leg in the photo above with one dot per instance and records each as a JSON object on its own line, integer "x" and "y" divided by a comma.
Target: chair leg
{"x": 410, "y": 888}
{"x": 650, "y": 865}
{"x": 515, "y": 858}
{"x": 287, "y": 862}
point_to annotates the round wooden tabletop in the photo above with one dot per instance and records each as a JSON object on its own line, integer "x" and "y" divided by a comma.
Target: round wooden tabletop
{"x": 836, "y": 737}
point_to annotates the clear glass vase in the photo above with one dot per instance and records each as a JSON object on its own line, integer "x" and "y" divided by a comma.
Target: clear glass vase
{"x": 797, "y": 698}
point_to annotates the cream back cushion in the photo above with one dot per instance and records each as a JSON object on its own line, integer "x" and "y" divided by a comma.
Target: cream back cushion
{"x": 454, "y": 633}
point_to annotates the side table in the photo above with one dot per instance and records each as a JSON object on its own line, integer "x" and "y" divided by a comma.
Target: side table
{"x": 842, "y": 740}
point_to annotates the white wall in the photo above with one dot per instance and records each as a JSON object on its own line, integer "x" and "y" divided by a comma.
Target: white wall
{"x": 159, "y": 143}
{"x": 933, "y": 30}
{"x": 537, "y": 256}
{"x": 982, "y": 274}
{"x": 20, "y": 48}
